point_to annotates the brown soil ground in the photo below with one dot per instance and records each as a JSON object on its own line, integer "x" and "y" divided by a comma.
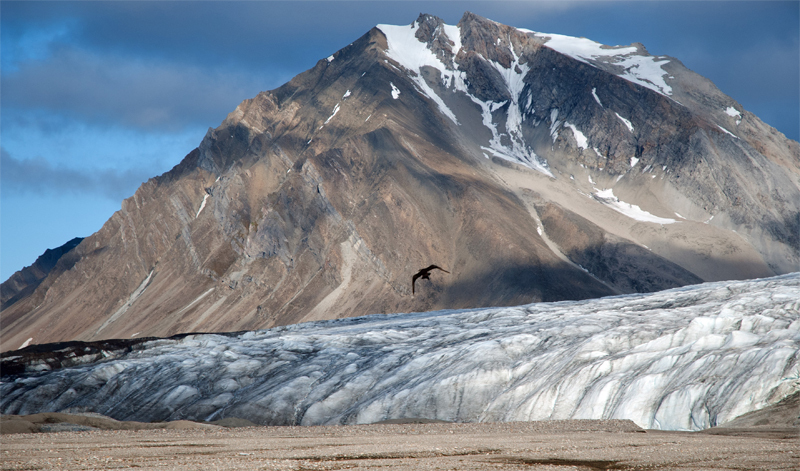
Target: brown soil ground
{"x": 553, "y": 445}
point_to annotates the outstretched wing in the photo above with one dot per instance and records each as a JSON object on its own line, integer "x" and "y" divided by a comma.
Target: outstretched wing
{"x": 424, "y": 273}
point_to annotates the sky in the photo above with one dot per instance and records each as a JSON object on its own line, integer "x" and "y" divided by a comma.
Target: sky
{"x": 97, "y": 97}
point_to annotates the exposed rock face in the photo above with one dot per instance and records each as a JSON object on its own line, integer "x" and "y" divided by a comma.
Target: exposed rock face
{"x": 530, "y": 171}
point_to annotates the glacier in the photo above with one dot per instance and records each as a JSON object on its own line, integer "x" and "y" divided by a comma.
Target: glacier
{"x": 683, "y": 359}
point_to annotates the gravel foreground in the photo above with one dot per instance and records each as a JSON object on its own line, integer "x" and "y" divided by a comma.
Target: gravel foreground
{"x": 547, "y": 445}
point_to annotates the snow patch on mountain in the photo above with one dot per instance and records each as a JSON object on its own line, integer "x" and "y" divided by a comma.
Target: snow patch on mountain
{"x": 202, "y": 205}
{"x": 683, "y": 359}
{"x": 195, "y": 301}
{"x": 733, "y": 112}
{"x": 454, "y": 34}
{"x": 554, "y": 124}
{"x": 413, "y": 54}
{"x": 596, "y": 98}
{"x": 515, "y": 82}
{"x": 631, "y": 210}
{"x": 643, "y": 70}
{"x": 335, "y": 110}
{"x": 625, "y": 122}
{"x": 727, "y": 132}
{"x": 518, "y": 150}
{"x": 580, "y": 138}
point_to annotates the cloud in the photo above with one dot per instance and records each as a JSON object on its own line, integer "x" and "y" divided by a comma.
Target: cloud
{"x": 38, "y": 176}
{"x": 165, "y": 65}
{"x": 256, "y": 37}
{"x": 131, "y": 92}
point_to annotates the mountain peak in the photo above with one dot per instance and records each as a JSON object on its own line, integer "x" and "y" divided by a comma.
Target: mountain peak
{"x": 470, "y": 19}
{"x": 432, "y": 31}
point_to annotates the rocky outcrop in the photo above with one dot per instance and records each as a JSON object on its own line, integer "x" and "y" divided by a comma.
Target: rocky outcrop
{"x": 528, "y": 171}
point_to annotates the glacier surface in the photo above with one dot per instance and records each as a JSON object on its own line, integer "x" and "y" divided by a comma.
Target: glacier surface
{"x": 683, "y": 359}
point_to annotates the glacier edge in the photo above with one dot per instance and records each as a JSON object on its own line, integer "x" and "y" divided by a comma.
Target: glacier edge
{"x": 683, "y": 359}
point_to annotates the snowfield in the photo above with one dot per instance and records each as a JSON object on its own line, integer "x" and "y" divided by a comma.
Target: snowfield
{"x": 683, "y": 359}
{"x": 633, "y": 211}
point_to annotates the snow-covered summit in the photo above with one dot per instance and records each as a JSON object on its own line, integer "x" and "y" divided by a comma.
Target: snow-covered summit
{"x": 633, "y": 63}
{"x": 682, "y": 359}
{"x": 429, "y": 42}
{"x": 413, "y": 48}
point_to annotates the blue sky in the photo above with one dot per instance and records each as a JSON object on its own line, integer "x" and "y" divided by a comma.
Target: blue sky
{"x": 97, "y": 97}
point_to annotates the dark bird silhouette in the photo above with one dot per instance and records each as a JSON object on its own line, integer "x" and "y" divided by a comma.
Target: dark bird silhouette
{"x": 425, "y": 274}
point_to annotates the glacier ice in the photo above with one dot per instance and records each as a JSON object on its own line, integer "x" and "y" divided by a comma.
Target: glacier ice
{"x": 683, "y": 359}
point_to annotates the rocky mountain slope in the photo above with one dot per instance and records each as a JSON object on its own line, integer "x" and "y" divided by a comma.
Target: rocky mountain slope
{"x": 533, "y": 167}
{"x": 25, "y": 281}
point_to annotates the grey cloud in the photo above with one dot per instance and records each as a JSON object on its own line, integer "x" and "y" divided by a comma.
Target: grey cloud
{"x": 255, "y": 36}
{"x": 38, "y": 176}
{"x": 137, "y": 93}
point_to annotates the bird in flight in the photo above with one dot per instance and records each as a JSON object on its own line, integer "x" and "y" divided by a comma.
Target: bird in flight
{"x": 425, "y": 274}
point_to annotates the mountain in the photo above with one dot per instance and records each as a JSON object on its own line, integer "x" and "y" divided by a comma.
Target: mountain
{"x": 25, "y": 281}
{"x": 689, "y": 358}
{"x": 533, "y": 167}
